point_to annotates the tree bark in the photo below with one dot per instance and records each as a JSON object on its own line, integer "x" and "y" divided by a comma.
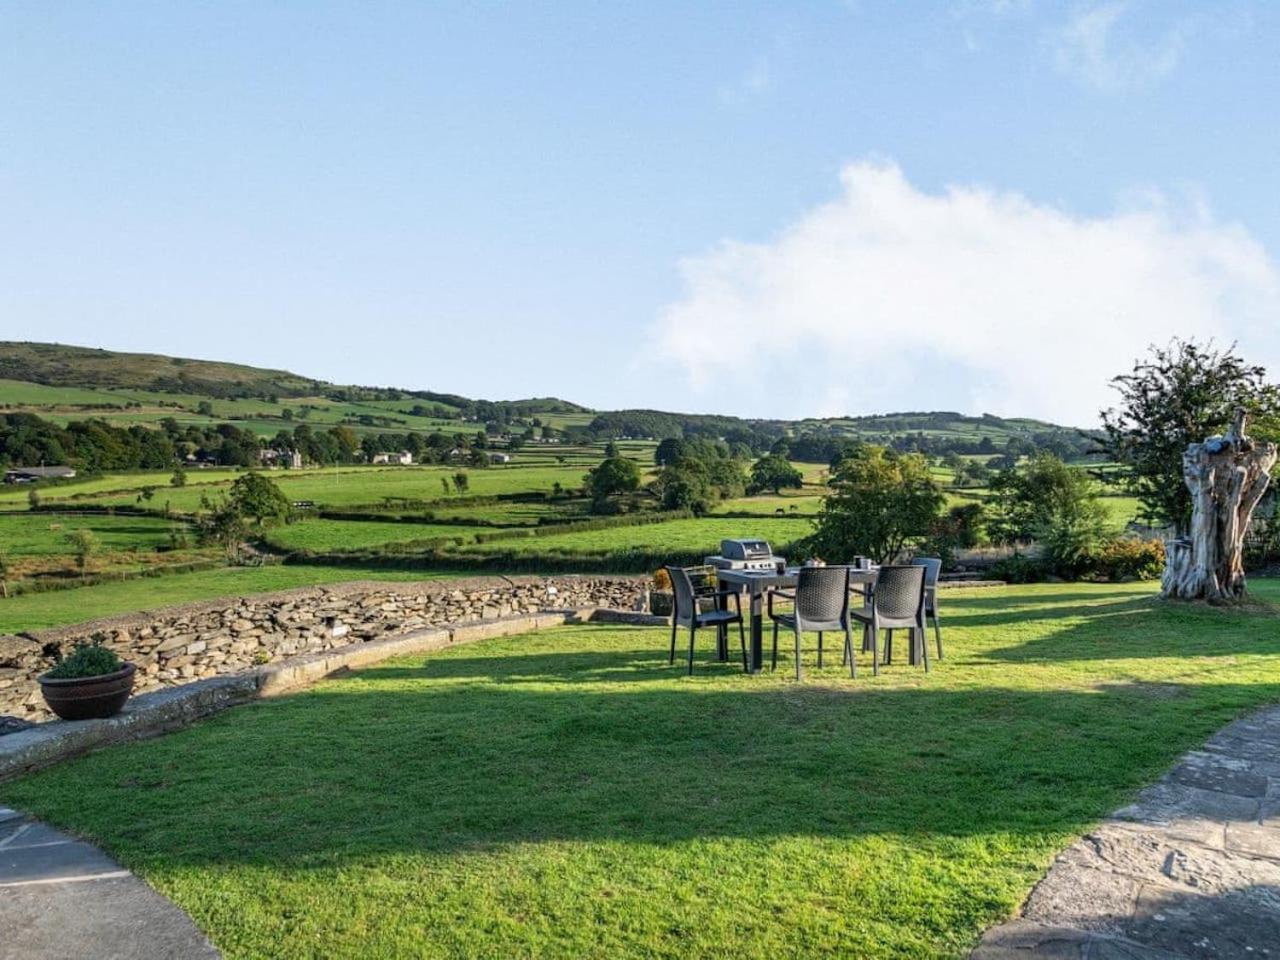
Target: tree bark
{"x": 1227, "y": 476}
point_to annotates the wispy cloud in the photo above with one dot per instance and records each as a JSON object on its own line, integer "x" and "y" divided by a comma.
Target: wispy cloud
{"x": 1103, "y": 46}
{"x": 892, "y": 298}
{"x": 749, "y": 85}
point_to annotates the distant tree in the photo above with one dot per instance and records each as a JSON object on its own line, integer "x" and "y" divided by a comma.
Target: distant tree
{"x": 258, "y": 498}
{"x": 1177, "y": 395}
{"x": 179, "y": 478}
{"x": 611, "y": 477}
{"x": 669, "y": 451}
{"x": 146, "y": 493}
{"x": 772, "y": 472}
{"x": 610, "y": 450}
{"x": 33, "y": 498}
{"x": 221, "y": 522}
{"x": 286, "y": 414}
{"x": 461, "y": 482}
{"x": 1047, "y": 501}
{"x": 972, "y": 473}
{"x": 444, "y": 482}
{"x": 879, "y": 502}
{"x": 204, "y": 408}
{"x": 83, "y": 543}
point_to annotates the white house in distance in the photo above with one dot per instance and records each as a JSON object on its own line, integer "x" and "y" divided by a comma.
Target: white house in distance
{"x": 499, "y": 458}
{"x": 404, "y": 458}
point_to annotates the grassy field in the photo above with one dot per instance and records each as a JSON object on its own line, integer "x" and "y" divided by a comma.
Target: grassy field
{"x": 45, "y": 533}
{"x": 700, "y": 536}
{"x": 36, "y": 611}
{"x": 326, "y": 535}
{"x": 567, "y": 794}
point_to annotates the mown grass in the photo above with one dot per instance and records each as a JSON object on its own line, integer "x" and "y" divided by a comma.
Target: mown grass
{"x": 43, "y": 534}
{"x": 567, "y": 794}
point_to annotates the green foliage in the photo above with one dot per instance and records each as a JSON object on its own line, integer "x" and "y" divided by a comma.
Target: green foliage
{"x": 257, "y": 497}
{"x": 1126, "y": 558}
{"x": 612, "y": 477}
{"x": 1049, "y": 502}
{"x": 960, "y": 528}
{"x": 772, "y": 472}
{"x": 87, "y": 660}
{"x": 222, "y": 523}
{"x": 879, "y": 502}
{"x": 83, "y": 543}
{"x": 179, "y": 478}
{"x": 1179, "y": 394}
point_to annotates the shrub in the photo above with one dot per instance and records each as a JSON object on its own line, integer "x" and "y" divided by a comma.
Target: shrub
{"x": 87, "y": 660}
{"x": 1127, "y": 558}
{"x": 1019, "y": 568}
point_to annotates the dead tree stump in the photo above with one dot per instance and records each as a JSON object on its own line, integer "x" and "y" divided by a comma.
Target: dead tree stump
{"x": 1227, "y": 476}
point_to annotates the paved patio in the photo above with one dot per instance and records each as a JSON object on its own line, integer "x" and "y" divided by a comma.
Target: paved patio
{"x": 1190, "y": 870}
{"x": 65, "y": 899}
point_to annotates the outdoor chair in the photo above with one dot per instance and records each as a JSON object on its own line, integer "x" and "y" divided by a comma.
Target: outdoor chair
{"x": 687, "y": 612}
{"x": 820, "y": 603}
{"x": 896, "y": 601}
{"x": 932, "y": 567}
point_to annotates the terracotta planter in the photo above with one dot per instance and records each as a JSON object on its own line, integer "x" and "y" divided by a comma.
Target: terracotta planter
{"x": 82, "y": 698}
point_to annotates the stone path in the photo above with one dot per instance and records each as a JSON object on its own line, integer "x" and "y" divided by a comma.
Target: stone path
{"x": 1190, "y": 870}
{"x": 63, "y": 899}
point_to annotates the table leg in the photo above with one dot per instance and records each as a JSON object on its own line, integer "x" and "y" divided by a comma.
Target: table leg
{"x": 757, "y": 632}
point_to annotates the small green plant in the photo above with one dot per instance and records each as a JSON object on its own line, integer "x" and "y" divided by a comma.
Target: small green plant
{"x": 261, "y": 657}
{"x": 90, "y": 659}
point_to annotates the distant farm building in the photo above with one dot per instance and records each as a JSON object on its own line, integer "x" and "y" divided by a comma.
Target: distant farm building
{"x": 291, "y": 459}
{"x": 31, "y": 474}
{"x": 499, "y": 458}
{"x": 404, "y": 458}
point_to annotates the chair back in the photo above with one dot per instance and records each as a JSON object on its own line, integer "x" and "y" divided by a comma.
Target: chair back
{"x": 932, "y": 569}
{"x": 822, "y": 594}
{"x": 899, "y": 591}
{"x": 682, "y": 589}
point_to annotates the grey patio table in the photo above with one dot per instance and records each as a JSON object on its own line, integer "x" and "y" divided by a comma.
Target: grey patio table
{"x": 759, "y": 582}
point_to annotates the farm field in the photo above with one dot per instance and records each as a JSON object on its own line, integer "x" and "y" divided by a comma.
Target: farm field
{"x": 678, "y": 537}
{"x": 43, "y": 533}
{"x": 804, "y": 504}
{"x": 16, "y": 495}
{"x": 320, "y": 535}
{"x": 36, "y": 611}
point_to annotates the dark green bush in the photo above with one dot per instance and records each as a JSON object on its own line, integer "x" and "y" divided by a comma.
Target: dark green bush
{"x": 88, "y": 660}
{"x": 1019, "y": 568}
{"x": 1126, "y": 558}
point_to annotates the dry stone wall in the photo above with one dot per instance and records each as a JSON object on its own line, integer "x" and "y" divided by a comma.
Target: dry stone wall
{"x": 178, "y": 645}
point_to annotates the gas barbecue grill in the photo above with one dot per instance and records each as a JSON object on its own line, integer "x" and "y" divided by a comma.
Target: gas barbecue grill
{"x": 745, "y": 555}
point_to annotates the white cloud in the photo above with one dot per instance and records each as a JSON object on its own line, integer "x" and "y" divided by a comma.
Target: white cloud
{"x": 1091, "y": 48}
{"x": 889, "y": 298}
{"x": 750, "y": 85}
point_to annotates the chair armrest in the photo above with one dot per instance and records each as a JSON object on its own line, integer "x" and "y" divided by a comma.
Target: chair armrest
{"x": 779, "y": 593}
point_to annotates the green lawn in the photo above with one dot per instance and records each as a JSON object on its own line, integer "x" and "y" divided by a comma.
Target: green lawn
{"x": 35, "y": 611}
{"x": 567, "y": 794}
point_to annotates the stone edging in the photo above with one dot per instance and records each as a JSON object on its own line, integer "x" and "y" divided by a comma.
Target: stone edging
{"x": 172, "y": 708}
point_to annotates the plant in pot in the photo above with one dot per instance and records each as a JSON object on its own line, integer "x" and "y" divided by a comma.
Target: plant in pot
{"x": 91, "y": 682}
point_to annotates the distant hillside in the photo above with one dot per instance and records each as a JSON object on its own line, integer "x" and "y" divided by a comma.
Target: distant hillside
{"x": 59, "y": 365}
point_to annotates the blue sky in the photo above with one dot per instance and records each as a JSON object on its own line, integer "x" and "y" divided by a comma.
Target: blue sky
{"x": 984, "y": 206}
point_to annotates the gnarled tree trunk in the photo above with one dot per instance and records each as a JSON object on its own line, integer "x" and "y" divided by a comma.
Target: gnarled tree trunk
{"x": 1227, "y": 476}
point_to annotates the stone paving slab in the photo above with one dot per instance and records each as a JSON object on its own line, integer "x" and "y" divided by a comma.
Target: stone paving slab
{"x": 64, "y": 899}
{"x": 1189, "y": 871}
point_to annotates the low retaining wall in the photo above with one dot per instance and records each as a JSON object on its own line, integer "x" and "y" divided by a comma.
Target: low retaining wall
{"x": 180, "y": 645}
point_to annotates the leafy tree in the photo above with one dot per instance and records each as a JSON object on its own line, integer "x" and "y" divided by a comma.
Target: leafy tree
{"x": 204, "y": 408}
{"x": 1177, "y": 395}
{"x": 444, "y": 482}
{"x": 669, "y": 451}
{"x": 611, "y": 477}
{"x": 611, "y": 451}
{"x": 972, "y": 473}
{"x": 685, "y": 485}
{"x": 1047, "y": 501}
{"x": 773, "y": 472}
{"x": 879, "y": 501}
{"x": 258, "y": 497}
{"x": 461, "y": 482}
{"x": 84, "y": 544}
{"x": 33, "y": 498}
{"x": 222, "y": 523}
{"x": 179, "y": 478}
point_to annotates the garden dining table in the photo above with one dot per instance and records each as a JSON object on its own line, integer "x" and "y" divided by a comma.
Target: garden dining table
{"x": 757, "y": 583}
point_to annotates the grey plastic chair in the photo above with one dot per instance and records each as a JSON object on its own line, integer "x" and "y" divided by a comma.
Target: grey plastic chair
{"x": 933, "y": 569}
{"x": 896, "y": 602}
{"x": 687, "y": 614}
{"x": 820, "y": 603}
